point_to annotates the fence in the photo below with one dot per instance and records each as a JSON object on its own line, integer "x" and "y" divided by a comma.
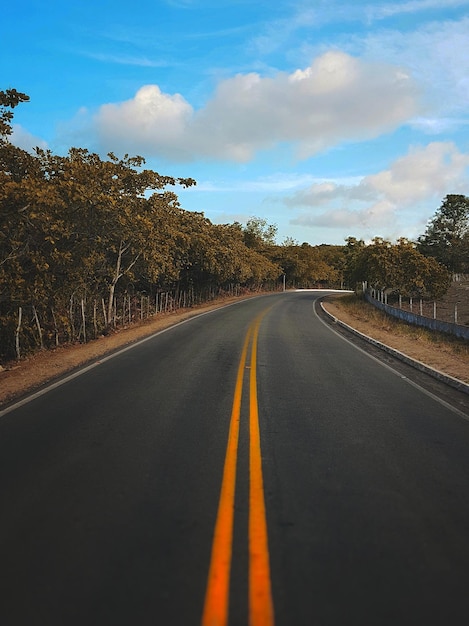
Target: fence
{"x": 379, "y": 300}
{"x": 28, "y": 327}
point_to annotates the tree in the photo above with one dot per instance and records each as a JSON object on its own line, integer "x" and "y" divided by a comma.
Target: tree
{"x": 112, "y": 221}
{"x": 354, "y": 273}
{"x": 397, "y": 268}
{"x": 307, "y": 266}
{"x": 76, "y": 224}
{"x": 258, "y": 233}
{"x": 447, "y": 235}
{"x": 290, "y": 241}
{"x": 9, "y": 99}
{"x": 416, "y": 275}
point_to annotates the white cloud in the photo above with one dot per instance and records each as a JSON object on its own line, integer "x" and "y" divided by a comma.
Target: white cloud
{"x": 376, "y": 216}
{"x": 436, "y": 55}
{"x": 314, "y": 108}
{"x": 433, "y": 170}
{"x": 327, "y": 192}
{"x": 25, "y": 140}
{"x": 118, "y": 59}
{"x": 274, "y": 183}
{"x": 151, "y": 123}
{"x": 438, "y": 125}
{"x": 384, "y": 11}
{"x": 424, "y": 175}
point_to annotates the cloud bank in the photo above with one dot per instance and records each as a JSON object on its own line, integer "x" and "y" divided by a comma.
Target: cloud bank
{"x": 426, "y": 173}
{"x": 337, "y": 98}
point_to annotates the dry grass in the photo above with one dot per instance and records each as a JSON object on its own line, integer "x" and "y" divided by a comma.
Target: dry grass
{"x": 435, "y": 339}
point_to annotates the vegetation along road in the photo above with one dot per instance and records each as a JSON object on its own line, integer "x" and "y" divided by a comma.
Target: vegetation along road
{"x": 249, "y": 466}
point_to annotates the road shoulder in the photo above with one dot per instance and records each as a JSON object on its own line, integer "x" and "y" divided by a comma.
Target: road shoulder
{"x": 430, "y": 367}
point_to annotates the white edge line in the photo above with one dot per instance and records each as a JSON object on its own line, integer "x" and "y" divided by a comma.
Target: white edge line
{"x": 108, "y": 357}
{"x": 389, "y": 367}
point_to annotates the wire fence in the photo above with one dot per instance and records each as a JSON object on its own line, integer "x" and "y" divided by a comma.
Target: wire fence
{"x": 379, "y": 299}
{"x": 41, "y": 326}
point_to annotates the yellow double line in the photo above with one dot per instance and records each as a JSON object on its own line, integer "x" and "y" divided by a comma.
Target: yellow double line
{"x": 216, "y": 608}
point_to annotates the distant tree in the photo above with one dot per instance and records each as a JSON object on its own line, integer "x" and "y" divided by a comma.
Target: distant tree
{"x": 447, "y": 235}
{"x": 399, "y": 268}
{"x": 290, "y": 241}
{"x": 258, "y": 233}
{"x": 417, "y": 275}
{"x": 308, "y": 266}
{"x": 353, "y": 271}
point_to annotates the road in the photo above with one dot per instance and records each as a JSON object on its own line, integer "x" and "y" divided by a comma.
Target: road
{"x": 249, "y": 466}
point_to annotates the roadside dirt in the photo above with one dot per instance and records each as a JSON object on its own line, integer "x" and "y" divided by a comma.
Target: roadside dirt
{"x": 30, "y": 374}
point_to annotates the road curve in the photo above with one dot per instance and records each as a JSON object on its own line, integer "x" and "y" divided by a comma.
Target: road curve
{"x": 246, "y": 467}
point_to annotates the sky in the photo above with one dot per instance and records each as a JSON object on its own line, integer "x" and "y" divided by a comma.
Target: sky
{"x": 329, "y": 118}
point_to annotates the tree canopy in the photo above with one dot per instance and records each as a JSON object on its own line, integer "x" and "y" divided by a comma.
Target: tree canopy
{"x": 398, "y": 268}
{"x": 446, "y": 238}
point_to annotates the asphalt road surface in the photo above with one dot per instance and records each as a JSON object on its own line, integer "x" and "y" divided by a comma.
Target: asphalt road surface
{"x": 247, "y": 467}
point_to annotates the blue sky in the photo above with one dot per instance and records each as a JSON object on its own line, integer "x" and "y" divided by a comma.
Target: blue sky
{"x": 328, "y": 118}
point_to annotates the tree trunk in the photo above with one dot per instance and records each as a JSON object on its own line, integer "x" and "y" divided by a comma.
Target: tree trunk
{"x": 118, "y": 273}
{"x": 17, "y": 333}
{"x": 104, "y": 312}
{"x": 110, "y": 306}
{"x": 56, "y": 330}
{"x": 83, "y": 319}
{"x": 95, "y": 319}
{"x": 72, "y": 321}
{"x": 39, "y": 329}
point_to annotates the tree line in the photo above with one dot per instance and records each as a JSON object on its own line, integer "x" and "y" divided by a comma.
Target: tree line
{"x": 87, "y": 243}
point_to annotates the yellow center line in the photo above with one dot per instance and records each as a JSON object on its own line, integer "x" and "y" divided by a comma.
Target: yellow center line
{"x": 218, "y": 585}
{"x": 216, "y": 607}
{"x": 261, "y": 611}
